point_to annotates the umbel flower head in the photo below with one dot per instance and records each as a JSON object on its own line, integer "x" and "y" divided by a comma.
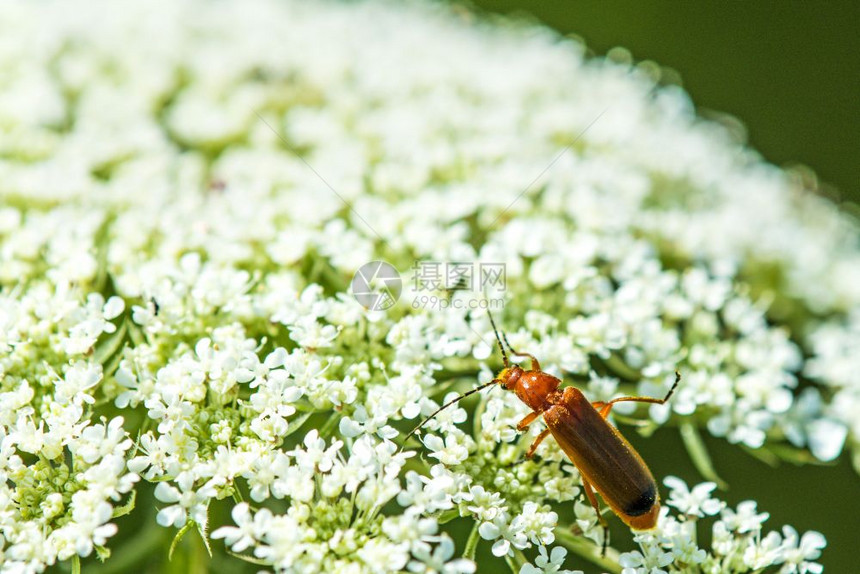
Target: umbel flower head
{"x": 186, "y": 192}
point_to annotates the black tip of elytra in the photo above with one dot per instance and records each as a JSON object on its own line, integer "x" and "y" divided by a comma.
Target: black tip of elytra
{"x": 642, "y": 503}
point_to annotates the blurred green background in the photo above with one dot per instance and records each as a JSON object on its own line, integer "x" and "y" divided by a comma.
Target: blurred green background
{"x": 790, "y": 71}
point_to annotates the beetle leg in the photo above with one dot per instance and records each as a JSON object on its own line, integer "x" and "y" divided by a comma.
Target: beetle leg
{"x": 515, "y": 353}
{"x": 530, "y": 453}
{"x": 529, "y": 419}
{"x": 589, "y": 492}
{"x": 604, "y": 408}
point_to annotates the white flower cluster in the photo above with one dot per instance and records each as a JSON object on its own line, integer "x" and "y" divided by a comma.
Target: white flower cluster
{"x": 187, "y": 188}
{"x": 737, "y": 539}
{"x": 335, "y": 506}
{"x": 50, "y": 508}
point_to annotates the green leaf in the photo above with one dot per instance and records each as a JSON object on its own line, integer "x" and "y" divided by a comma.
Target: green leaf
{"x": 134, "y": 333}
{"x": 127, "y": 507}
{"x": 699, "y": 455}
{"x": 472, "y": 543}
{"x": 102, "y": 552}
{"x": 112, "y": 364}
{"x": 296, "y": 423}
{"x": 246, "y": 558}
{"x": 201, "y": 529}
{"x": 179, "y": 535}
{"x": 102, "y": 241}
{"x": 107, "y": 348}
{"x": 448, "y": 516}
{"x": 331, "y": 423}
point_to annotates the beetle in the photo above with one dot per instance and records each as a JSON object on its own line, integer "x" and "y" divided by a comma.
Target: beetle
{"x": 607, "y": 463}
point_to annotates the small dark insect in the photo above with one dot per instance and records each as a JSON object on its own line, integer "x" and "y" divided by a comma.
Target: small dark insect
{"x": 606, "y": 462}
{"x": 217, "y": 185}
{"x": 155, "y": 306}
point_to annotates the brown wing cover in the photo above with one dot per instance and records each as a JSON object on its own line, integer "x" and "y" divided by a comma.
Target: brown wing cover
{"x": 605, "y": 458}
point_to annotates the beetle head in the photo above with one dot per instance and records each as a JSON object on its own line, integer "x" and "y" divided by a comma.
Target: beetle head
{"x": 510, "y": 376}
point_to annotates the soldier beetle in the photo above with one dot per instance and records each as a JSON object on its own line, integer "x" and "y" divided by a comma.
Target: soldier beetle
{"x": 607, "y": 463}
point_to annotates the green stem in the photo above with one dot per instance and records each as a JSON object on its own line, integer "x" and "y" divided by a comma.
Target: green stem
{"x": 588, "y": 550}
{"x": 472, "y": 543}
{"x": 329, "y": 425}
{"x": 763, "y": 455}
{"x": 699, "y": 454}
{"x": 448, "y": 516}
{"x": 479, "y": 412}
{"x": 620, "y": 368}
{"x": 516, "y": 562}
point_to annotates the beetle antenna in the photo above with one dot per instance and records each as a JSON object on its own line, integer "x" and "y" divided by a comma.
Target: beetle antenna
{"x": 499, "y": 339}
{"x": 445, "y": 406}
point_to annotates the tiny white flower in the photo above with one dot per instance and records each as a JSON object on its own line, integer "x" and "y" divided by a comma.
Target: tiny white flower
{"x": 440, "y": 560}
{"x": 548, "y": 563}
{"x": 186, "y": 503}
{"x": 799, "y": 552}
{"x": 243, "y": 535}
{"x": 536, "y": 524}
{"x": 696, "y": 502}
{"x": 745, "y": 519}
{"x": 452, "y": 450}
